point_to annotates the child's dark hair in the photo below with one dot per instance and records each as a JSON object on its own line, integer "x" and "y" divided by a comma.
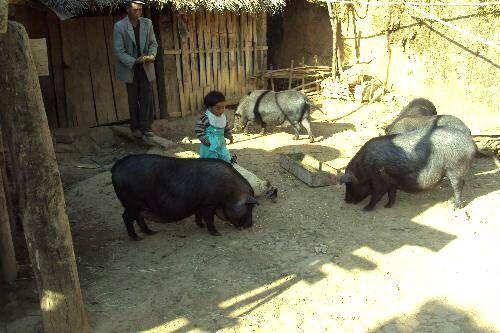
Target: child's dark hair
{"x": 213, "y": 98}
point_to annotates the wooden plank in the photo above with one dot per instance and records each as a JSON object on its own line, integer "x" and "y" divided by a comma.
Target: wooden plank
{"x": 200, "y": 34}
{"x": 215, "y": 44}
{"x": 239, "y": 54}
{"x": 159, "y": 65}
{"x": 233, "y": 65}
{"x": 186, "y": 70}
{"x": 79, "y": 99}
{"x": 99, "y": 70}
{"x": 120, "y": 98}
{"x": 38, "y": 28}
{"x": 156, "y": 101}
{"x": 195, "y": 75}
{"x": 183, "y": 102}
{"x": 168, "y": 76}
{"x": 56, "y": 67}
{"x": 224, "y": 69}
{"x": 249, "y": 62}
{"x": 209, "y": 55}
{"x": 35, "y": 23}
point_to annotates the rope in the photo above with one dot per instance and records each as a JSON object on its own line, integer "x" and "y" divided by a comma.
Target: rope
{"x": 414, "y": 3}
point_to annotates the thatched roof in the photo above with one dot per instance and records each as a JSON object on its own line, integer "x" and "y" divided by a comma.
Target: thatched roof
{"x": 70, "y": 8}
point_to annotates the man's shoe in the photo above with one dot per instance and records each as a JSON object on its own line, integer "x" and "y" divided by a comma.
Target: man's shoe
{"x": 149, "y": 134}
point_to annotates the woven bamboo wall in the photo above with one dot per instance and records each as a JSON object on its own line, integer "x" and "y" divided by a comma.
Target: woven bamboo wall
{"x": 209, "y": 51}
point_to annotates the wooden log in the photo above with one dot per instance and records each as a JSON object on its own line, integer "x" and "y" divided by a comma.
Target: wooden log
{"x": 302, "y": 86}
{"x": 7, "y": 253}
{"x": 45, "y": 221}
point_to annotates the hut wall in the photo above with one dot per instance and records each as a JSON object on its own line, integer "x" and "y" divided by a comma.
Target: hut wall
{"x": 199, "y": 52}
{"x": 81, "y": 89}
{"x": 204, "y": 51}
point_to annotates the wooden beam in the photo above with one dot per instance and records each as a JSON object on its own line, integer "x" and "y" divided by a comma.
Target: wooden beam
{"x": 45, "y": 222}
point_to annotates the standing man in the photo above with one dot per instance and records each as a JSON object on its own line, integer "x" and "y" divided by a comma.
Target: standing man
{"x": 135, "y": 47}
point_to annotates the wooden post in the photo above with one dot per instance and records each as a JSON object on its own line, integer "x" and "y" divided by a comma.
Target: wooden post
{"x": 271, "y": 78}
{"x": 290, "y": 77}
{"x": 333, "y": 23}
{"x": 4, "y": 9}
{"x": 46, "y": 225}
{"x": 7, "y": 254}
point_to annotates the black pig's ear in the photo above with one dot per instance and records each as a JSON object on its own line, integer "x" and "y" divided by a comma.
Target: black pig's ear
{"x": 348, "y": 177}
{"x": 252, "y": 201}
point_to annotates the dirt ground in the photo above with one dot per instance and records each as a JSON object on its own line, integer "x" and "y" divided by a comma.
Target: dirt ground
{"x": 311, "y": 262}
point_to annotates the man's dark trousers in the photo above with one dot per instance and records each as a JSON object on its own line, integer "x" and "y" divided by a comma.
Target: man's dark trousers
{"x": 140, "y": 100}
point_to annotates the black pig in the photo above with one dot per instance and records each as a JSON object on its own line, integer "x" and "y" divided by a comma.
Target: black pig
{"x": 411, "y": 162}
{"x": 167, "y": 189}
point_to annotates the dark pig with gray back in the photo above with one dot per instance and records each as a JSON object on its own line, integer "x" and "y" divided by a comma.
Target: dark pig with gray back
{"x": 411, "y": 162}
{"x": 410, "y": 123}
{"x": 416, "y": 107}
{"x": 270, "y": 108}
{"x": 167, "y": 189}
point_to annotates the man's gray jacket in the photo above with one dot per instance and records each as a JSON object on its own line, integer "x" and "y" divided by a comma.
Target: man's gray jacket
{"x": 127, "y": 51}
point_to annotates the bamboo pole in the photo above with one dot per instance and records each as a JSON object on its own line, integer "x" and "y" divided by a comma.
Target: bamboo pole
{"x": 333, "y": 24}
{"x": 45, "y": 222}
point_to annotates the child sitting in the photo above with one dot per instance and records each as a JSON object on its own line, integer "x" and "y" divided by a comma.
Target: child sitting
{"x": 212, "y": 129}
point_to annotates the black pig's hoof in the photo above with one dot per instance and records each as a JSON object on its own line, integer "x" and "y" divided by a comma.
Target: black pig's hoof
{"x": 215, "y": 233}
{"x": 368, "y": 208}
{"x": 135, "y": 238}
{"x": 150, "y": 232}
{"x": 389, "y": 204}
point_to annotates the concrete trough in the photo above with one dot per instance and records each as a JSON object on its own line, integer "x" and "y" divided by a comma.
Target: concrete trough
{"x": 309, "y": 170}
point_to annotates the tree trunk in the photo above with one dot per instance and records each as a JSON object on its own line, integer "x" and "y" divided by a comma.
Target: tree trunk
{"x": 7, "y": 254}
{"x": 45, "y": 222}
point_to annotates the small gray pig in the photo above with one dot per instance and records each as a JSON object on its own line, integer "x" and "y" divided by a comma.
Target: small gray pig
{"x": 266, "y": 107}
